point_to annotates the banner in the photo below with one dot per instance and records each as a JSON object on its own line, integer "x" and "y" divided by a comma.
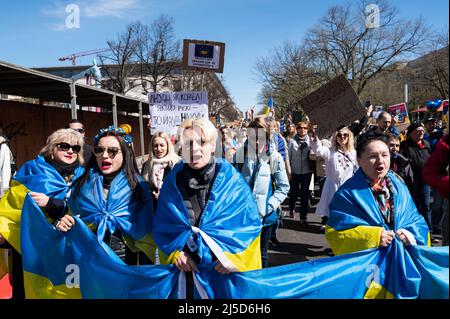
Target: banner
{"x": 169, "y": 109}
{"x": 399, "y": 113}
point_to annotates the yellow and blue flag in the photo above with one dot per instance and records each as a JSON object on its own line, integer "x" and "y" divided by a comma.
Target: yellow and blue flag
{"x": 75, "y": 265}
{"x": 269, "y": 108}
{"x": 130, "y": 212}
{"x": 229, "y": 226}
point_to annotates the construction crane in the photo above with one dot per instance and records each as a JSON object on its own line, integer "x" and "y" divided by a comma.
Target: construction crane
{"x": 74, "y": 56}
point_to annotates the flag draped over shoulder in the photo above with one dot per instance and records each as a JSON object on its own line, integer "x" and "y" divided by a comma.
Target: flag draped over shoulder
{"x": 355, "y": 223}
{"x": 75, "y": 265}
{"x": 130, "y": 212}
{"x": 229, "y": 226}
{"x": 37, "y": 176}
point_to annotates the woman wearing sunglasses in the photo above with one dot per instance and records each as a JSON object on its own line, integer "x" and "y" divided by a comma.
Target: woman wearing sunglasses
{"x": 340, "y": 165}
{"x": 47, "y": 180}
{"x": 160, "y": 162}
{"x": 113, "y": 199}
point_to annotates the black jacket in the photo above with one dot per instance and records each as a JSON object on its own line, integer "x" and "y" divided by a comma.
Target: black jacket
{"x": 418, "y": 157}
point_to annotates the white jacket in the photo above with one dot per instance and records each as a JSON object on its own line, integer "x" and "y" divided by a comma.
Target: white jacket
{"x": 5, "y": 166}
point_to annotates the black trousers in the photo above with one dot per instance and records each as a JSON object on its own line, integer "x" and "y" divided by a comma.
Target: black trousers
{"x": 303, "y": 181}
{"x": 16, "y": 272}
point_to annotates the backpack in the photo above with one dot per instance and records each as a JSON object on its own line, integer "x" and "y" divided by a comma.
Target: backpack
{"x": 12, "y": 160}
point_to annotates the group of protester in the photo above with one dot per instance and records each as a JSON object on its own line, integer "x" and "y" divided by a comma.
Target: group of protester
{"x": 191, "y": 205}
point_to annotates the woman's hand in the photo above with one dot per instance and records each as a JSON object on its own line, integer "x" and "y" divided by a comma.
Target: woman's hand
{"x": 221, "y": 269}
{"x": 40, "y": 199}
{"x": 185, "y": 263}
{"x": 386, "y": 238}
{"x": 65, "y": 223}
{"x": 403, "y": 237}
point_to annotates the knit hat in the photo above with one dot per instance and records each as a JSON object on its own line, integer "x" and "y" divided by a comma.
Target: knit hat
{"x": 413, "y": 127}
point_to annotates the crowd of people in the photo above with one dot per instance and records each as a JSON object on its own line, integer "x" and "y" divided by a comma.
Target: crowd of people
{"x": 215, "y": 195}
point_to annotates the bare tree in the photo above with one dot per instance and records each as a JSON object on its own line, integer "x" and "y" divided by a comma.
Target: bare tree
{"x": 158, "y": 52}
{"x": 119, "y": 64}
{"x": 343, "y": 43}
{"x": 437, "y": 72}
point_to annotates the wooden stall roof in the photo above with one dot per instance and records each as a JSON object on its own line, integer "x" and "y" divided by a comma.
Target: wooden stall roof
{"x": 25, "y": 82}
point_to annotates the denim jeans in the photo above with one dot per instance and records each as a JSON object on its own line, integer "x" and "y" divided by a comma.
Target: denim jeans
{"x": 421, "y": 196}
{"x": 265, "y": 236}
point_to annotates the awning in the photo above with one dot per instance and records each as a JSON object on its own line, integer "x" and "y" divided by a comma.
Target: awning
{"x": 25, "y": 82}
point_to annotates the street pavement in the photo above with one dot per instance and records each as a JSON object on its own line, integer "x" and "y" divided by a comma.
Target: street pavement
{"x": 299, "y": 243}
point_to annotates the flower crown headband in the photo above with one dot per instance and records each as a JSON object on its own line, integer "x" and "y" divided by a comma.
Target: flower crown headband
{"x": 120, "y": 131}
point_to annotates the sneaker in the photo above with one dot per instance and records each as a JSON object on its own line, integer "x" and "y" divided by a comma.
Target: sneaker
{"x": 322, "y": 228}
{"x": 303, "y": 222}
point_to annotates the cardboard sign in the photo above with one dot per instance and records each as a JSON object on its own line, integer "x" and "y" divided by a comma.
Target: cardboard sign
{"x": 169, "y": 109}
{"x": 333, "y": 105}
{"x": 399, "y": 113}
{"x": 203, "y": 55}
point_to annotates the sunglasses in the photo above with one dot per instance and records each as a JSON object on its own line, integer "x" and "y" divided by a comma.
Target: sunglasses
{"x": 66, "y": 146}
{"x": 302, "y": 128}
{"x": 80, "y": 130}
{"x": 342, "y": 135}
{"x": 112, "y": 151}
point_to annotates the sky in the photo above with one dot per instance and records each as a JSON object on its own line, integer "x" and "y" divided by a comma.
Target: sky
{"x": 34, "y": 33}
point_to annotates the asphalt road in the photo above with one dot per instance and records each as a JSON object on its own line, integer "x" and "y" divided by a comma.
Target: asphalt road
{"x": 299, "y": 243}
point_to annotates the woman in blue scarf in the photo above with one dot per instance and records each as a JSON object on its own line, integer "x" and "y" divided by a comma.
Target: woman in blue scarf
{"x": 113, "y": 199}
{"x": 206, "y": 215}
{"x": 374, "y": 206}
{"x": 46, "y": 180}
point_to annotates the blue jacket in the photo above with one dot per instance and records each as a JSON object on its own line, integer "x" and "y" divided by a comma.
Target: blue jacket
{"x": 269, "y": 183}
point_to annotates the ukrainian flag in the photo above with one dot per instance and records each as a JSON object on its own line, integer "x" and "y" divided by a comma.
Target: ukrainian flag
{"x": 37, "y": 176}
{"x": 129, "y": 211}
{"x": 269, "y": 107}
{"x": 75, "y": 265}
{"x": 229, "y": 227}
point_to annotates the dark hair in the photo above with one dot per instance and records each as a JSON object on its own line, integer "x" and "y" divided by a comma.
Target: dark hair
{"x": 390, "y": 136}
{"x": 369, "y": 137}
{"x": 129, "y": 164}
{"x": 73, "y": 121}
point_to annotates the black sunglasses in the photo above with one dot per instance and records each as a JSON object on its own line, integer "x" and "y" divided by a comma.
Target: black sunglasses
{"x": 66, "y": 146}
{"x": 342, "y": 135}
{"x": 112, "y": 151}
{"x": 80, "y": 130}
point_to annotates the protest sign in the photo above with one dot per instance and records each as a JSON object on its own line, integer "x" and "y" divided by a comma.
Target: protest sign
{"x": 333, "y": 105}
{"x": 169, "y": 109}
{"x": 203, "y": 55}
{"x": 399, "y": 113}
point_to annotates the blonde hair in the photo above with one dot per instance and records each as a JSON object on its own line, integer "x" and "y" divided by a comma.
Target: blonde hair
{"x": 171, "y": 156}
{"x": 208, "y": 129}
{"x": 350, "y": 146}
{"x": 60, "y": 136}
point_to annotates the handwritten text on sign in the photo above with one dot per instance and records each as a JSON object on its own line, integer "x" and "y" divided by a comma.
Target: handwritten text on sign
{"x": 169, "y": 109}
{"x": 333, "y": 105}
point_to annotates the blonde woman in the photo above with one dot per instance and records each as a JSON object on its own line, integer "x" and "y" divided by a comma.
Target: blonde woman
{"x": 160, "y": 162}
{"x": 340, "y": 165}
